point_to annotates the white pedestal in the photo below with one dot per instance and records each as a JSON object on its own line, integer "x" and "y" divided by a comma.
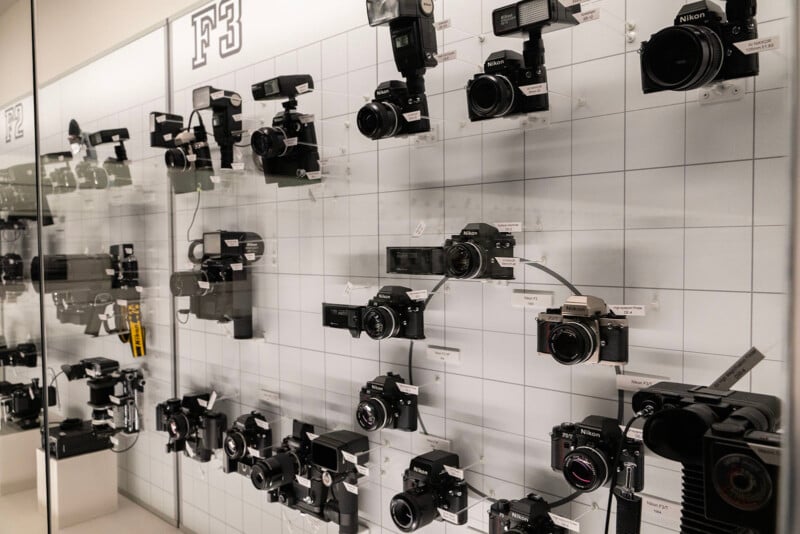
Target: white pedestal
{"x": 18, "y": 459}
{"x": 81, "y": 488}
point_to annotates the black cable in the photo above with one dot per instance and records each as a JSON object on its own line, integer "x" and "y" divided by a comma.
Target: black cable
{"x": 554, "y": 274}
{"x": 620, "y": 398}
{"x": 479, "y": 493}
{"x": 647, "y": 412}
{"x": 129, "y": 447}
{"x": 194, "y": 216}
{"x": 565, "y": 500}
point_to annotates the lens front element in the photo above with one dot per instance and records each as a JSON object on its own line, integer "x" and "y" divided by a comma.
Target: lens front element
{"x": 681, "y": 58}
{"x": 586, "y": 469}
{"x": 571, "y": 343}
{"x": 491, "y": 96}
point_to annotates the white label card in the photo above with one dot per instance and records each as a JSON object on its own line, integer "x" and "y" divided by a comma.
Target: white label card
{"x": 509, "y": 227}
{"x": 110, "y": 272}
{"x": 444, "y": 354}
{"x": 270, "y": 396}
{"x": 363, "y": 470}
{"x": 629, "y": 310}
{"x": 634, "y": 433}
{"x": 237, "y": 117}
{"x": 350, "y": 457}
{"x": 260, "y": 423}
{"x": 420, "y": 294}
{"x": 115, "y": 138}
{"x": 191, "y": 157}
{"x": 450, "y": 55}
{"x": 303, "y": 481}
{"x": 168, "y": 137}
{"x": 755, "y": 46}
{"x": 768, "y": 455}
{"x": 202, "y": 284}
{"x": 237, "y": 166}
{"x": 570, "y": 3}
{"x": 352, "y": 488}
{"x": 203, "y": 403}
{"x": 528, "y": 298}
{"x": 212, "y": 400}
{"x": 563, "y": 522}
{"x": 311, "y": 436}
{"x": 422, "y": 443}
{"x": 408, "y": 389}
{"x": 587, "y": 16}
{"x": 302, "y": 88}
{"x": 443, "y": 25}
{"x": 413, "y": 116}
{"x": 454, "y": 472}
{"x": 232, "y": 242}
{"x": 534, "y": 89}
{"x": 661, "y": 510}
{"x": 161, "y": 118}
{"x": 250, "y": 256}
{"x": 139, "y": 289}
{"x": 217, "y": 95}
{"x": 237, "y": 266}
{"x": 122, "y": 303}
{"x": 290, "y": 141}
{"x": 634, "y": 382}
{"x": 450, "y": 517}
{"x": 215, "y": 179}
{"x": 419, "y": 230}
{"x": 507, "y": 262}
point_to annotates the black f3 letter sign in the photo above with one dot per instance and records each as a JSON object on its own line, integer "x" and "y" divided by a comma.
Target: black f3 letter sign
{"x": 205, "y": 22}
{"x": 14, "y": 123}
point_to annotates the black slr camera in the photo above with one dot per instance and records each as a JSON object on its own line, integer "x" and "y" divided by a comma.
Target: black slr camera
{"x": 401, "y": 108}
{"x": 583, "y": 330}
{"x": 287, "y": 150}
{"x": 729, "y": 448}
{"x": 18, "y": 198}
{"x": 96, "y": 291}
{"x": 325, "y": 487}
{"x": 226, "y": 119}
{"x": 277, "y": 473}
{"x": 385, "y": 403}
{"x": 22, "y": 403}
{"x": 192, "y": 427}
{"x": 513, "y": 84}
{"x": 188, "y": 155}
{"x": 586, "y": 453}
{"x": 113, "y": 398}
{"x": 525, "y": 516}
{"x": 60, "y": 179}
{"x": 427, "y": 487}
{"x": 390, "y": 314}
{"x": 472, "y": 254}
{"x": 12, "y": 276}
{"x": 219, "y": 288}
{"x": 23, "y": 355}
{"x": 701, "y": 47}
{"x": 246, "y": 442}
{"x": 90, "y": 175}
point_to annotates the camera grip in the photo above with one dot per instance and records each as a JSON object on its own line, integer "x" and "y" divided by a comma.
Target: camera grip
{"x": 347, "y": 504}
{"x": 629, "y": 513}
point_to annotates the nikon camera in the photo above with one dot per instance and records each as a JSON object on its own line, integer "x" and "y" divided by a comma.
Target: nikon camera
{"x": 701, "y": 47}
{"x": 288, "y": 149}
{"x": 390, "y": 314}
{"x": 583, "y": 330}
{"x": 192, "y": 427}
{"x": 248, "y": 441}
{"x": 277, "y": 473}
{"x": 22, "y": 403}
{"x": 188, "y": 155}
{"x": 386, "y": 403}
{"x": 475, "y": 253}
{"x": 525, "y": 516}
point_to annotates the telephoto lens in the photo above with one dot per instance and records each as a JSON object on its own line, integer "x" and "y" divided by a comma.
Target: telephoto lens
{"x": 681, "y": 58}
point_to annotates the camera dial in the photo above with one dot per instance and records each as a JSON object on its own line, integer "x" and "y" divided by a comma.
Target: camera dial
{"x": 378, "y": 120}
{"x": 742, "y": 482}
{"x": 491, "y": 96}
{"x": 586, "y": 469}
{"x": 372, "y": 414}
{"x": 380, "y": 322}
{"x": 684, "y": 57}
{"x": 571, "y": 343}
{"x": 411, "y": 511}
{"x": 235, "y": 445}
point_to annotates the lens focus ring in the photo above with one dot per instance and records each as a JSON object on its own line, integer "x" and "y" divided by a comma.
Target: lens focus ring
{"x": 683, "y": 57}
{"x": 586, "y": 469}
{"x": 372, "y": 414}
{"x": 378, "y": 120}
{"x": 571, "y": 343}
{"x": 491, "y": 96}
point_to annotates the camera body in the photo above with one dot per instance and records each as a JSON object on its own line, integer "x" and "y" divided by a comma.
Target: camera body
{"x": 219, "y": 288}
{"x": 23, "y": 355}
{"x": 427, "y": 487}
{"x": 18, "y": 197}
{"x": 701, "y": 47}
{"x": 288, "y": 149}
{"x": 583, "y": 330}
{"x": 396, "y": 111}
{"x": 529, "y": 516}
{"x": 60, "y": 179}
{"x": 226, "y": 109}
{"x": 390, "y": 314}
{"x": 115, "y": 168}
{"x": 277, "y": 474}
{"x": 192, "y": 427}
{"x": 188, "y": 155}
{"x": 586, "y": 453}
{"x": 727, "y": 443}
{"x": 12, "y": 276}
{"x": 22, "y": 403}
{"x": 383, "y": 403}
{"x": 513, "y": 84}
{"x": 247, "y": 441}
{"x": 473, "y": 254}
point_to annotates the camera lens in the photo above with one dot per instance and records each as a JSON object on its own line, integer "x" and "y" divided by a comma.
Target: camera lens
{"x": 683, "y": 57}
{"x": 411, "y": 511}
{"x": 378, "y": 120}
{"x": 464, "y": 260}
{"x": 235, "y": 446}
{"x": 269, "y": 142}
{"x": 178, "y": 426}
{"x": 380, "y": 323}
{"x": 187, "y": 284}
{"x": 742, "y": 482}
{"x": 274, "y": 472}
{"x": 491, "y": 96}
{"x": 571, "y": 343}
{"x": 372, "y": 414}
{"x": 176, "y": 159}
{"x": 586, "y": 469}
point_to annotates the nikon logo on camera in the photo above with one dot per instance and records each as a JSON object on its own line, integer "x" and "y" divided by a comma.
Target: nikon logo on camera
{"x": 590, "y": 433}
{"x": 469, "y": 232}
{"x": 693, "y": 17}
{"x": 518, "y": 516}
{"x": 382, "y": 92}
{"x": 419, "y": 470}
{"x": 496, "y": 63}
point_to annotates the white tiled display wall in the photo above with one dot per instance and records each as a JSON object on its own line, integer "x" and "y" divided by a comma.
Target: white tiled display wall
{"x": 117, "y": 91}
{"x": 653, "y": 200}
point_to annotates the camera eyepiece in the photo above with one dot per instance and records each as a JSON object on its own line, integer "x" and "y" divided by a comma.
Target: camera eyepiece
{"x": 378, "y": 120}
{"x": 372, "y": 414}
{"x": 380, "y": 322}
{"x": 571, "y": 343}
{"x": 685, "y": 57}
{"x": 413, "y": 510}
{"x": 586, "y": 469}
{"x": 491, "y": 96}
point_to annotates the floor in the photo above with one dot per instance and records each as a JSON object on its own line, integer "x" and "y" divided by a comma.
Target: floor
{"x": 19, "y": 513}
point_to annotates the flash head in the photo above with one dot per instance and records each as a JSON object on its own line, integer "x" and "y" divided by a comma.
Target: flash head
{"x": 522, "y": 18}
{"x": 385, "y": 11}
{"x": 283, "y": 87}
{"x": 209, "y": 98}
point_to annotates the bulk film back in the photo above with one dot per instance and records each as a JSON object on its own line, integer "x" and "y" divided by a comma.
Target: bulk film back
{"x": 419, "y": 265}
